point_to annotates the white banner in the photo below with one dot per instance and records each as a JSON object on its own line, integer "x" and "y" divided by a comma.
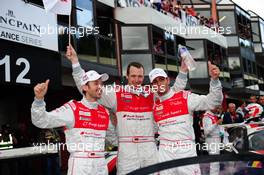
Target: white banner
{"x": 62, "y": 7}
{"x": 28, "y": 24}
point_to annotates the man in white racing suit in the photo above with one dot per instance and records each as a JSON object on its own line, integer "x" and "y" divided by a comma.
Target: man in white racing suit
{"x": 86, "y": 125}
{"x": 173, "y": 112}
{"x": 134, "y": 111}
{"x": 212, "y": 132}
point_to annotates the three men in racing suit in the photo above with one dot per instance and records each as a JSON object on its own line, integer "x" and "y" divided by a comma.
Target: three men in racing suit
{"x": 133, "y": 107}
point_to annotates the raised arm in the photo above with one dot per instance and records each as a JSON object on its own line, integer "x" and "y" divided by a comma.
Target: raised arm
{"x": 77, "y": 71}
{"x": 181, "y": 79}
{"x": 211, "y": 100}
{"x": 59, "y": 117}
{"x": 180, "y": 82}
{"x": 108, "y": 98}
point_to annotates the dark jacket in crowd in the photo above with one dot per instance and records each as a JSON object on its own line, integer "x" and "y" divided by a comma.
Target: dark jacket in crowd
{"x": 229, "y": 119}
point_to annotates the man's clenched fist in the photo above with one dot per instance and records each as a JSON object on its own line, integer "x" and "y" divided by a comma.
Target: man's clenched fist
{"x": 71, "y": 54}
{"x": 214, "y": 71}
{"x": 40, "y": 90}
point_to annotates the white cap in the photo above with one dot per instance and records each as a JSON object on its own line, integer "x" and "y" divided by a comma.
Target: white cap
{"x": 92, "y": 76}
{"x": 157, "y": 72}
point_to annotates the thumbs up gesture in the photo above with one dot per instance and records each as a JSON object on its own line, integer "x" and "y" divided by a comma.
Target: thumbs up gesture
{"x": 40, "y": 90}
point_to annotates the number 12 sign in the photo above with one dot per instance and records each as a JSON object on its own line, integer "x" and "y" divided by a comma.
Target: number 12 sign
{"x": 21, "y": 77}
{"x": 28, "y": 65}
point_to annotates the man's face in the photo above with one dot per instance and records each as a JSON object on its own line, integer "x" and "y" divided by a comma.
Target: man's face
{"x": 261, "y": 100}
{"x": 135, "y": 76}
{"x": 161, "y": 85}
{"x": 244, "y": 105}
{"x": 94, "y": 89}
{"x": 253, "y": 99}
{"x": 232, "y": 108}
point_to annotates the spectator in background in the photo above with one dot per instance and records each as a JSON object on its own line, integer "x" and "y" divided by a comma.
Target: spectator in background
{"x": 145, "y": 3}
{"x": 206, "y": 22}
{"x": 158, "y": 47}
{"x": 179, "y": 4}
{"x": 166, "y": 6}
{"x": 231, "y": 116}
{"x": 176, "y": 8}
{"x": 253, "y": 99}
{"x": 211, "y": 23}
{"x": 190, "y": 11}
{"x": 261, "y": 102}
{"x": 198, "y": 16}
{"x": 156, "y": 4}
{"x": 202, "y": 20}
{"x": 241, "y": 111}
{"x": 212, "y": 132}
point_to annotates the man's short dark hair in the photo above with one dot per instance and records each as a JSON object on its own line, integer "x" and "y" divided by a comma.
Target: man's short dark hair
{"x": 255, "y": 96}
{"x": 134, "y": 64}
{"x": 87, "y": 84}
{"x": 241, "y": 102}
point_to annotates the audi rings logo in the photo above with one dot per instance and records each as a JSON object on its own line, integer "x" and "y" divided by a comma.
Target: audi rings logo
{"x": 85, "y": 78}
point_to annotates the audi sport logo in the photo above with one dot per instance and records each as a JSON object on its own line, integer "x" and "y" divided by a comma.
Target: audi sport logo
{"x": 133, "y": 116}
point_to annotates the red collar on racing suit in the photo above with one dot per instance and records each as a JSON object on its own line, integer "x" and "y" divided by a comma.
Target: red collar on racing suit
{"x": 172, "y": 107}
{"x": 97, "y": 119}
{"x": 130, "y": 102}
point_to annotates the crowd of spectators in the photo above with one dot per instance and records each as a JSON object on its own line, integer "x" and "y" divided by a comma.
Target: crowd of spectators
{"x": 236, "y": 112}
{"x": 241, "y": 113}
{"x": 174, "y": 7}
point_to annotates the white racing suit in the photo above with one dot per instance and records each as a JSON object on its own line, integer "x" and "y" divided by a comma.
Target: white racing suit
{"x": 173, "y": 113}
{"x": 212, "y": 138}
{"x": 86, "y": 125}
{"x": 135, "y": 124}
